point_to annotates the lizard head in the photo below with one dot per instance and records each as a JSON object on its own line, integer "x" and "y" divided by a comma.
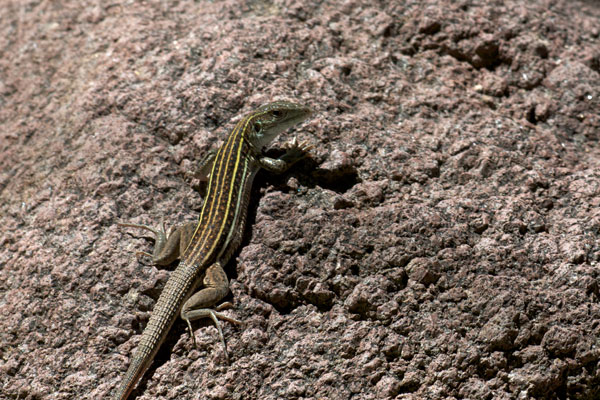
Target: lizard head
{"x": 270, "y": 120}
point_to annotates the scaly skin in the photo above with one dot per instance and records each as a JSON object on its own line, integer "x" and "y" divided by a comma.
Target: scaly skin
{"x": 206, "y": 246}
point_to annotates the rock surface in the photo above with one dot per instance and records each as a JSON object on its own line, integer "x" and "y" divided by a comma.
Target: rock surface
{"x": 442, "y": 241}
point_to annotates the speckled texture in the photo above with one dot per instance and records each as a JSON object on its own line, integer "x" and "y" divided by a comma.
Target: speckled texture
{"x": 442, "y": 241}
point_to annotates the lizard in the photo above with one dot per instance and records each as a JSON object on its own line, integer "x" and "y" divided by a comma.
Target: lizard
{"x": 205, "y": 246}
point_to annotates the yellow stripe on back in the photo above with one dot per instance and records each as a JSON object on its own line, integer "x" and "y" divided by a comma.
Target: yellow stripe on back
{"x": 232, "y": 185}
{"x": 221, "y": 172}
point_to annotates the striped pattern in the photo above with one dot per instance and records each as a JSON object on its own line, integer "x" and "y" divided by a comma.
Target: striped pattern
{"x": 220, "y": 225}
{"x": 219, "y": 219}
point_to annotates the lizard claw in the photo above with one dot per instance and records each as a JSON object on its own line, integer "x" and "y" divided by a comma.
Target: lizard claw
{"x": 302, "y": 146}
{"x": 297, "y": 150}
{"x": 160, "y": 234}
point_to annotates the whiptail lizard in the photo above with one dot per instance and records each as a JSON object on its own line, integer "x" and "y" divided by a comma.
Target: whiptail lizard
{"x": 206, "y": 246}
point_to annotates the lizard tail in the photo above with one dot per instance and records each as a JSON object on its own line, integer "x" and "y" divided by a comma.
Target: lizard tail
{"x": 165, "y": 312}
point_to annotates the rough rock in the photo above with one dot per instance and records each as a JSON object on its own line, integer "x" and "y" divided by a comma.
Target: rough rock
{"x": 440, "y": 243}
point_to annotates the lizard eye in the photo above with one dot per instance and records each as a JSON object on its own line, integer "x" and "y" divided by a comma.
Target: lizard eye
{"x": 257, "y": 127}
{"x": 276, "y": 113}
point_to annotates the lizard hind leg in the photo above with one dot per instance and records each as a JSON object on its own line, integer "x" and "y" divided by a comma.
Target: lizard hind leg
{"x": 216, "y": 286}
{"x": 167, "y": 248}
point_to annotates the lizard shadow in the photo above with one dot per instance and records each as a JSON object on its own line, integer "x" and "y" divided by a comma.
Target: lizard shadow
{"x": 307, "y": 175}
{"x": 165, "y": 351}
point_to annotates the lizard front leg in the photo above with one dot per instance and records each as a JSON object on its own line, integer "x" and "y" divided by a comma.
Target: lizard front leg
{"x": 295, "y": 152}
{"x": 205, "y": 166}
